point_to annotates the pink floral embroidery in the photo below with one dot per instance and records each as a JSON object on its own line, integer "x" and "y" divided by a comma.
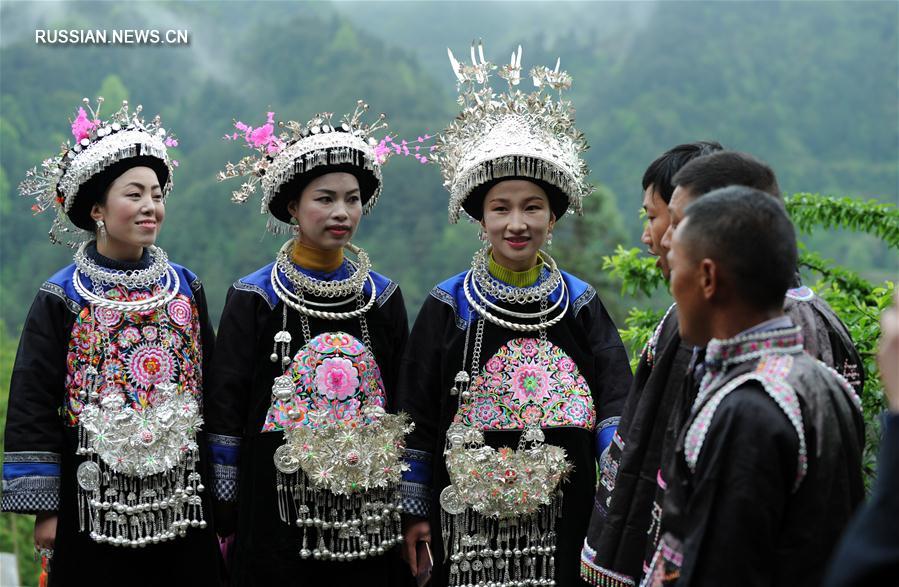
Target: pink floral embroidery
{"x": 150, "y": 333}
{"x": 336, "y": 378}
{"x": 529, "y": 381}
{"x": 494, "y": 365}
{"x": 129, "y": 336}
{"x": 150, "y": 365}
{"x": 529, "y": 347}
{"x": 334, "y": 372}
{"x": 179, "y": 310}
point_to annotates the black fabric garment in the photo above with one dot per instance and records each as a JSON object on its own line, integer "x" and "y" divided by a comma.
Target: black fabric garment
{"x": 737, "y": 518}
{"x": 825, "y": 336}
{"x": 868, "y": 554}
{"x": 434, "y": 356}
{"x": 623, "y": 510}
{"x": 266, "y": 550}
{"x": 35, "y": 423}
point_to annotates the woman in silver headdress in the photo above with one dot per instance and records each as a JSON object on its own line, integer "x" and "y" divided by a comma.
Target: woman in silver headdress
{"x": 514, "y": 373}
{"x": 306, "y": 457}
{"x": 102, "y": 433}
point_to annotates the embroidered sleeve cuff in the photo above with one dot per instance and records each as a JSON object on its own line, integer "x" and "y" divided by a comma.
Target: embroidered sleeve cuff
{"x": 415, "y": 489}
{"x": 604, "y": 433}
{"x": 224, "y": 483}
{"x": 415, "y": 499}
{"x": 224, "y": 452}
{"x": 30, "y": 482}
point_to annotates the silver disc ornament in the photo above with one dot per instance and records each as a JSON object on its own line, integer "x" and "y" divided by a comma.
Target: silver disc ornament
{"x": 450, "y": 501}
{"x": 88, "y": 475}
{"x": 286, "y": 462}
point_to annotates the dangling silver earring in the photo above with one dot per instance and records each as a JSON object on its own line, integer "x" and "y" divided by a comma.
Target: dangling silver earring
{"x": 101, "y": 230}
{"x": 296, "y": 226}
{"x": 482, "y": 236}
{"x": 549, "y": 241}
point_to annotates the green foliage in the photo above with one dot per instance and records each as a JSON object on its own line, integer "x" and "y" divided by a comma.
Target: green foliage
{"x": 810, "y": 211}
{"x": 639, "y": 326}
{"x": 113, "y": 91}
{"x": 636, "y": 272}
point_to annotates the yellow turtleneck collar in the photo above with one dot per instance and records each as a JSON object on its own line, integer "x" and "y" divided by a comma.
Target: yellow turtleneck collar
{"x": 525, "y": 278}
{"x": 316, "y": 259}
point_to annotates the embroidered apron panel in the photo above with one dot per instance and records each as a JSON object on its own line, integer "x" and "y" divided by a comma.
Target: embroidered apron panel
{"x": 134, "y": 383}
{"x": 529, "y": 380}
{"x": 334, "y": 372}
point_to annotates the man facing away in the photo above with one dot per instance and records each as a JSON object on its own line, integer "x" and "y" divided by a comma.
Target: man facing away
{"x": 767, "y": 471}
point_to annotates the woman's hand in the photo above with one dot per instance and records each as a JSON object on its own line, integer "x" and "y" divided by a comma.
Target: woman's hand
{"x": 414, "y": 531}
{"x": 45, "y": 530}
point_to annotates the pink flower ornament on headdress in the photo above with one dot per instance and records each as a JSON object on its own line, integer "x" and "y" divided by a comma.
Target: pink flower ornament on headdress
{"x": 82, "y": 126}
{"x": 262, "y": 138}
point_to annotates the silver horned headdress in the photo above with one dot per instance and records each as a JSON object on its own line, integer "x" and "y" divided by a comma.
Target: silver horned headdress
{"x": 302, "y": 149}
{"x": 99, "y": 144}
{"x": 512, "y": 134}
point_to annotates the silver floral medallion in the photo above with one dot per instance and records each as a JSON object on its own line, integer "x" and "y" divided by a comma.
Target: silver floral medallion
{"x": 88, "y": 475}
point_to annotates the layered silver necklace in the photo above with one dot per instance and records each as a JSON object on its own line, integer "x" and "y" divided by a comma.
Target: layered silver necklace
{"x": 478, "y": 280}
{"x": 159, "y": 273}
{"x": 348, "y": 290}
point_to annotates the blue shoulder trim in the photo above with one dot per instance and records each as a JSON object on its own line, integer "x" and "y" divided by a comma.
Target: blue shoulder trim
{"x": 605, "y": 431}
{"x": 450, "y": 292}
{"x": 189, "y": 281}
{"x": 384, "y": 288}
{"x": 581, "y": 292}
{"x": 260, "y": 282}
{"x": 61, "y": 285}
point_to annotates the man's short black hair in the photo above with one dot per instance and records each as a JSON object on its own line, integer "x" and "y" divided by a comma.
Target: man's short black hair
{"x": 717, "y": 170}
{"x": 660, "y": 172}
{"x": 750, "y": 236}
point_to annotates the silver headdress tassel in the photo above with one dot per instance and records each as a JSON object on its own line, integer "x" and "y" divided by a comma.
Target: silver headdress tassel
{"x": 301, "y": 148}
{"x": 98, "y": 145}
{"x": 512, "y": 134}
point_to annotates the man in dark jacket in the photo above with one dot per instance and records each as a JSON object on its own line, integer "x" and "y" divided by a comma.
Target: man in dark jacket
{"x": 767, "y": 470}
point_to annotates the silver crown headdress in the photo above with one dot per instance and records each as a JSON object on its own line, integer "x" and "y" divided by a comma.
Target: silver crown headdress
{"x": 98, "y": 145}
{"x": 513, "y": 134}
{"x": 302, "y": 148}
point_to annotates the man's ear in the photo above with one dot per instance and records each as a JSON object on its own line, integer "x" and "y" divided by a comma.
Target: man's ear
{"x": 709, "y": 278}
